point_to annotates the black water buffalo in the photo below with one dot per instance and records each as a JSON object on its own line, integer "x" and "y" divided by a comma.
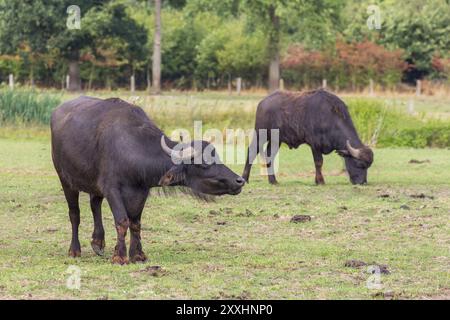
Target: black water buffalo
{"x": 111, "y": 149}
{"x": 317, "y": 118}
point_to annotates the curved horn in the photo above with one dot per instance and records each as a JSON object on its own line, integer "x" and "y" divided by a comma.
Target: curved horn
{"x": 185, "y": 154}
{"x": 356, "y": 153}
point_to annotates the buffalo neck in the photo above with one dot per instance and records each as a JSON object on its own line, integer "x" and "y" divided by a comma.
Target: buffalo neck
{"x": 347, "y": 132}
{"x": 157, "y": 162}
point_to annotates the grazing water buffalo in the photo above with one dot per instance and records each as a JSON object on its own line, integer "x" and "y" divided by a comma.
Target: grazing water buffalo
{"x": 111, "y": 149}
{"x": 317, "y": 118}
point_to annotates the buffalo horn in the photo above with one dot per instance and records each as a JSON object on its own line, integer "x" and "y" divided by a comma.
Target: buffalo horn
{"x": 356, "y": 153}
{"x": 185, "y": 154}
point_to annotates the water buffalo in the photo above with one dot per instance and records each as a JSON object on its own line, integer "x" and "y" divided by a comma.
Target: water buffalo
{"x": 111, "y": 149}
{"x": 317, "y": 118}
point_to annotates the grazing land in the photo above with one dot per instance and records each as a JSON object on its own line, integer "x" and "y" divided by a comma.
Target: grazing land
{"x": 244, "y": 246}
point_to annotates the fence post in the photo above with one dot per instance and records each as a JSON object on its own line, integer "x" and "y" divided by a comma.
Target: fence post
{"x": 11, "y": 81}
{"x": 418, "y": 88}
{"x": 238, "y": 85}
{"x": 132, "y": 84}
{"x": 371, "y": 87}
{"x": 411, "y": 106}
{"x": 67, "y": 82}
{"x": 281, "y": 84}
{"x": 324, "y": 83}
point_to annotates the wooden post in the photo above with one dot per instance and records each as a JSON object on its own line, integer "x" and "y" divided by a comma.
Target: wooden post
{"x": 149, "y": 80}
{"x": 67, "y": 82}
{"x": 324, "y": 83}
{"x": 281, "y": 84}
{"x": 411, "y": 106}
{"x": 418, "y": 88}
{"x": 371, "y": 87}
{"x": 11, "y": 81}
{"x": 132, "y": 84}
{"x": 238, "y": 85}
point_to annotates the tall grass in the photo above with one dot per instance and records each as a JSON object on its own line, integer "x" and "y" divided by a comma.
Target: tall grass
{"x": 378, "y": 123}
{"x": 23, "y": 106}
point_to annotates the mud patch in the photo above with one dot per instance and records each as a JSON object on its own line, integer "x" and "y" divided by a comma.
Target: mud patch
{"x": 300, "y": 218}
{"x": 421, "y": 196}
{"x": 355, "y": 264}
{"x": 245, "y": 295}
{"x": 154, "y": 271}
{"x": 414, "y": 161}
{"x": 387, "y": 295}
{"x": 382, "y": 268}
{"x": 247, "y": 213}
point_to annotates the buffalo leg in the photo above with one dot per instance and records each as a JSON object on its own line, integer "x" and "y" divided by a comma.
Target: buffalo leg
{"x": 134, "y": 202}
{"x": 270, "y": 155}
{"x": 122, "y": 223}
{"x": 74, "y": 215}
{"x": 252, "y": 152}
{"x": 318, "y": 162}
{"x": 98, "y": 236}
{"x": 136, "y": 254}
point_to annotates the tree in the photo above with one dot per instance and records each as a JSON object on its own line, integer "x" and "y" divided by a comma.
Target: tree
{"x": 420, "y": 36}
{"x": 156, "y": 69}
{"x": 41, "y": 26}
{"x": 276, "y": 18}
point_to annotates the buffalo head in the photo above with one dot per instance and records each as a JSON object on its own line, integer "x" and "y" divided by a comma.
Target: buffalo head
{"x": 197, "y": 166}
{"x": 357, "y": 161}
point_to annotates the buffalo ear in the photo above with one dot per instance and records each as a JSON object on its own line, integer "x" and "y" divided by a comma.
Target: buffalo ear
{"x": 343, "y": 153}
{"x": 175, "y": 175}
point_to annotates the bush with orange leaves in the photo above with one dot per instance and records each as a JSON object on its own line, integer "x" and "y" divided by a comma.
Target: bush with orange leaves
{"x": 441, "y": 66}
{"x": 347, "y": 65}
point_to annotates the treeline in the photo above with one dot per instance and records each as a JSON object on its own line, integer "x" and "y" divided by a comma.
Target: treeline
{"x": 208, "y": 43}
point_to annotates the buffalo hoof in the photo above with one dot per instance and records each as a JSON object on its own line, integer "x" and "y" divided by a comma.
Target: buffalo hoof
{"x": 273, "y": 182}
{"x": 140, "y": 257}
{"x": 74, "y": 253}
{"x": 320, "y": 182}
{"x": 119, "y": 260}
{"x": 98, "y": 245}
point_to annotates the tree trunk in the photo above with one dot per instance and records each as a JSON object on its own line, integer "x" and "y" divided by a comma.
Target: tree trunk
{"x": 157, "y": 50}
{"x": 274, "y": 50}
{"x": 74, "y": 74}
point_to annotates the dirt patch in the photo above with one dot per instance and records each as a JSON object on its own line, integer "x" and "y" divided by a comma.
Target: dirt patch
{"x": 154, "y": 271}
{"x": 247, "y": 213}
{"x": 414, "y": 161}
{"x": 355, "y": 264}
{"x": 300, "y": 218}
{"x": 382, "y": 268}
{"x": 421, "y": 196}
{"x": 221, "y": 211}
{"x": 387, "y": 295}
{"x": 245, "y": 295}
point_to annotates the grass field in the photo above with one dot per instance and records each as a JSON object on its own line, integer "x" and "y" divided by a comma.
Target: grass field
{"x": 243, "y": 246}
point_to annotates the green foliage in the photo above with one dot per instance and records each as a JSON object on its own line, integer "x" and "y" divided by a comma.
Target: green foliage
{"x": 419, "y": 28}
{"x": 27, "y": 106}
{"x": 206, "y": 41}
